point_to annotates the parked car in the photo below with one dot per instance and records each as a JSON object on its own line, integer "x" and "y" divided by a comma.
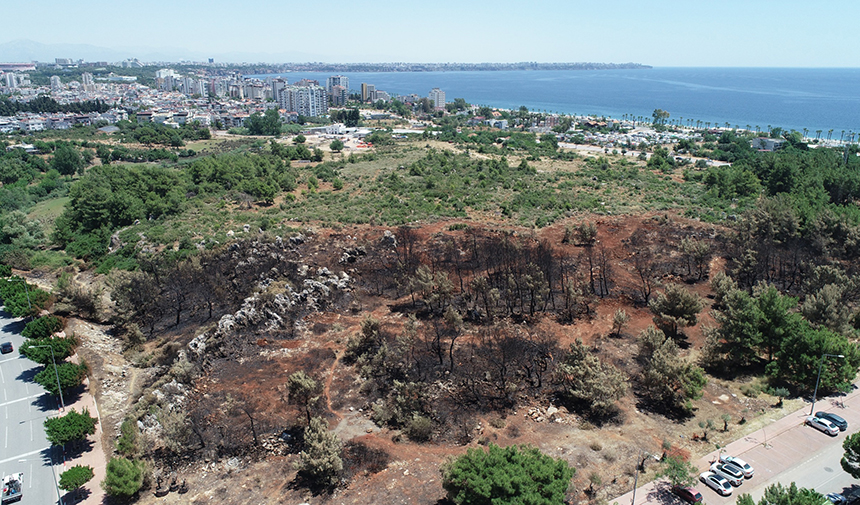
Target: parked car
{"x": 730, "y": 472}
{"x": 840, "y": 423}
{"x": 822, "y": 425}
{"x": 716, "y": 483}
{"x": 687, "y": 494}
{"x": 738, "y": 462}
{"x": 6, "y": 347}
{"x": 836, "y": 498}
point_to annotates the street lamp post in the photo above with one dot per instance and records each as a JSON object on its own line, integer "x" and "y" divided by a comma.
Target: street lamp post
{"x": 640, "y": 462}
{"x": 57, "y": 374}
{"x": 820, "y": 365}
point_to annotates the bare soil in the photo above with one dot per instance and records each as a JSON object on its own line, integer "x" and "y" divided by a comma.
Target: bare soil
{"x": 413, "y": 473}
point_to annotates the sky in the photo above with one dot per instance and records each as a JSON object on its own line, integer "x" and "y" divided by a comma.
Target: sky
{"x": 686, "y": 33}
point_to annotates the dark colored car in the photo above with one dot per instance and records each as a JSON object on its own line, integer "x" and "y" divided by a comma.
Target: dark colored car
{"x": 687, "y": 494}
{"x": 840, "y": 423}
{"x": 6, "y": 347}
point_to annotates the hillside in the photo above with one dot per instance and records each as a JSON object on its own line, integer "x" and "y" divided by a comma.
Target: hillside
{"x": 430, "y": 295}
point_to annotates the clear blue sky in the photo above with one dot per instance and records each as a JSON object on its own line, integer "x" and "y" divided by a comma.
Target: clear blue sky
{"x": 783, "y": 33}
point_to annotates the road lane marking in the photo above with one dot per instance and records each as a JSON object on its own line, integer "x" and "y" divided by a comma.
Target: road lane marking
{"x": 20, "y": 456}
{"x": 7, "y": 437}
{"x": 10, "y": 359}
{"x": 20, "y": 400}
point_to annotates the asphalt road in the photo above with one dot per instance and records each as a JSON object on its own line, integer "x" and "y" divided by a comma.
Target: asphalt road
{"x": 802, "y": 455}
{"x": 24, "y": 405}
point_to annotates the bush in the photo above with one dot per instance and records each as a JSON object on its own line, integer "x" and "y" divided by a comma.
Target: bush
{"x": 59, "y": 349}
{"x": 123, "y": 478}
{"x": 515, "y": 474}
{"x": 71, "y": 375}
{"x": 75, "y": 477}
{"x": 42, "y": 327}
{"x": 126, "y": 444}
{"x": 419, "y": 428}
{"x": 320, "y": 463}
{"x": 72, "y": 427}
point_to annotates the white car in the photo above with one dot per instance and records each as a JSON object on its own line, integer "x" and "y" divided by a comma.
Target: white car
{"x": 730, "y": 472}
{"x": 822, "y": 425}
{"x": 738, "y": 462}
{"x": 716, "y": 483}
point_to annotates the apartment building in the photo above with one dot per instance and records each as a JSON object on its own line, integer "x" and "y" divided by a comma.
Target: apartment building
{"x": 437, "y": 98}
{"x": 336, "y": 80}
{"x": 304, "y": 100}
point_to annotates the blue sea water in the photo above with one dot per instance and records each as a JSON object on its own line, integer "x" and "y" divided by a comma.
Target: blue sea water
{"x": 790, "y": 98}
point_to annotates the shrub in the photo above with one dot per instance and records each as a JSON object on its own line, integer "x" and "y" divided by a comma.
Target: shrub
{"x": 42, "y": 327}
{"x": 419, "y": 428}
{"x": 126, "y": 444}
{"x": 123, "y": 478}
{"x": 75, "y": 477}
{"x": 320, "y": 463}
{"x": 72, "y": 427}
{"x": 34, "y": 350}
{"x": 70, "y": 375}
{"x": 515, "y": 474}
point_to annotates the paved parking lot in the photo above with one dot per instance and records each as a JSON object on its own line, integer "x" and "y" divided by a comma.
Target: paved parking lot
{"x": 785, "y": 451}
{"x": 24, "y": 406}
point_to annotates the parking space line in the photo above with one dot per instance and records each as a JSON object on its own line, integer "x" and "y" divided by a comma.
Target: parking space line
{"x": 19, "y": 400}
{"x": 20, "y": 456}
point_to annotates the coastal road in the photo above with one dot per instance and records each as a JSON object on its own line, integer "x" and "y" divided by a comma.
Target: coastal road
{"x": 24, "y": 406}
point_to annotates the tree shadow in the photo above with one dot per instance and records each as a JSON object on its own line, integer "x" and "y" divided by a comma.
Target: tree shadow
{"x": 76, "y": 496}
{"x": 15, "y": 325}
{"x": 677, "y": 414}
{"x": 662, "y": 493}
{"x": 46, "y": 403}
{"x": 301, "y": 482}
{"x": 597, "y": 417}
{"x": 78, "y": 448}
{"x": 851, "y": 493}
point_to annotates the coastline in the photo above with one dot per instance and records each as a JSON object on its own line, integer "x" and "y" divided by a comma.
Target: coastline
{"x": 814, "y": 99}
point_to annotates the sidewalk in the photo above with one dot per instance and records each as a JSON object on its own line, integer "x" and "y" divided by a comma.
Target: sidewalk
{"x": 656, "y": 491}
{"x": 93, "y": 457}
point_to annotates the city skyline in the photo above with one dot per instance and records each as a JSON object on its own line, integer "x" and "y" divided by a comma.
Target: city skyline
{"x": 791, "y": 33}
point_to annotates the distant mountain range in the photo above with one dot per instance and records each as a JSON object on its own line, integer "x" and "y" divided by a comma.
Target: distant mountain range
{"x": 25, "y": 51}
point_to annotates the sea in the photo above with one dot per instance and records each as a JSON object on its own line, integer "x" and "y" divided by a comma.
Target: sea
{"x": 789, "y": 98}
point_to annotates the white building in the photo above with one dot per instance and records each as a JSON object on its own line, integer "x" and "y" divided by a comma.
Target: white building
{"x": 87, "y": 82}
{"x": 304, "y": 100}
{"x": 437, "y": 98}
{"x": 336, "y": 80}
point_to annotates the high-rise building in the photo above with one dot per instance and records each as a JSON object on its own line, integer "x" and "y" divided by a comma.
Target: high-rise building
{"x": 336, "y": 80}
{"x": 11, "y": 80}
{"x": 87, "y": 81}
{"x": 339, "y": 95}
{"x": 437, "y": 98}
{"x": 278, "y": 86}
{"x": 368, "y": 92}
{"x": 304, "y": 100}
